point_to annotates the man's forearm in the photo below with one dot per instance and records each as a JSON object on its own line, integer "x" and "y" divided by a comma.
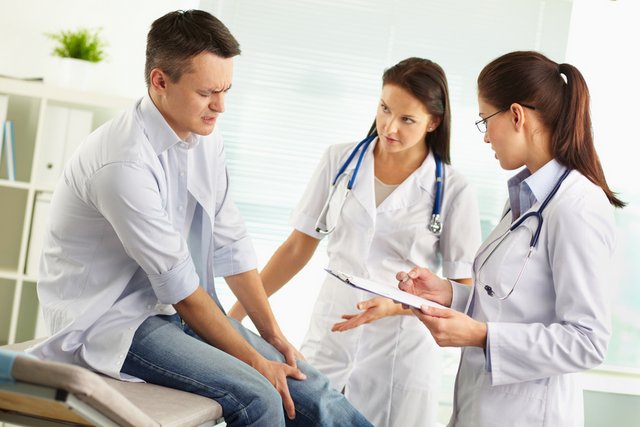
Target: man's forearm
{"x": 202, "y": 314}
{"x": 248, "y": 288}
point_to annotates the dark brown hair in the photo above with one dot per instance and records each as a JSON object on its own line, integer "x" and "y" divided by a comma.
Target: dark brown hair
{"x": 531, "y": 78}
{"x": 426, "y": 81}
{"x": 178, "y": 36}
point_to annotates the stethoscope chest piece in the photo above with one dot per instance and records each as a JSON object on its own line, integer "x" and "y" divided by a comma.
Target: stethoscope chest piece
{"x": 534, "y": 235}
{"x": 435, "y": 225}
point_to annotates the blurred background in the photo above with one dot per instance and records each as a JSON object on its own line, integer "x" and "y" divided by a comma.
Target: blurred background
{"x": 310, "y": 76}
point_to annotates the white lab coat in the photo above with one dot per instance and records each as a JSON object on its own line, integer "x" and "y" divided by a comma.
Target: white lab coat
{"x": 389, "y": 369}
{"x": 555, "y": 323}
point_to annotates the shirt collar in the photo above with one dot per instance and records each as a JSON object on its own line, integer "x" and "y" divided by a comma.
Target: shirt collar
{"x": 542, "y": 182}
{"x": 539, "y": 184}
{"x": 160, "y": 135}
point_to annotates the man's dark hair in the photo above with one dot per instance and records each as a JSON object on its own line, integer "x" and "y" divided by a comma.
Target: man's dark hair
{"x": 178, "y": 36}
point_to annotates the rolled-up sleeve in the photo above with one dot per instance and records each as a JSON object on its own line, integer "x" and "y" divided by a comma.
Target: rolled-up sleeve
{"x": 460, "y": 236}
{"x": 143, "y": 227}
{"x": 164, "y": 284}
{"x": 233, "y": 248}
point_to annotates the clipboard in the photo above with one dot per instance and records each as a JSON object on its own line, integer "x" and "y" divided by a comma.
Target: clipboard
{"x": 387, "y": 291}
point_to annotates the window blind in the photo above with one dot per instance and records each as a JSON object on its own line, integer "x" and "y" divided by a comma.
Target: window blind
{"x": 310, "y": 75}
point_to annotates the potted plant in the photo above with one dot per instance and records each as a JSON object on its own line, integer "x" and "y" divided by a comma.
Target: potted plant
{"x": 74, "y": 55}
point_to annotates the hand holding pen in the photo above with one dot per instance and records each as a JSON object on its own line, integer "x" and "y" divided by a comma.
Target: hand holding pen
{"x": 424, "y": 283}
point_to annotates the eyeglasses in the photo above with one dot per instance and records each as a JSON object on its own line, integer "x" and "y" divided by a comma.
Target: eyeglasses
{"x": 482, "y": 123}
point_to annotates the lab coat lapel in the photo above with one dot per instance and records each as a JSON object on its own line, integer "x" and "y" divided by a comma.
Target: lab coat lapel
{"x": 413, "y": 189}
{"x": 363, "y": 190}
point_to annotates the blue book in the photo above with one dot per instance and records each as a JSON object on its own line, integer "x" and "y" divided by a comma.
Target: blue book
{"x": 3, "y": 125}
{"x": 9, "y": 150}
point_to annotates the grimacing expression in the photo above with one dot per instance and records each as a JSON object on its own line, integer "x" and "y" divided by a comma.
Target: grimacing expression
{"x": 194, "y": 102}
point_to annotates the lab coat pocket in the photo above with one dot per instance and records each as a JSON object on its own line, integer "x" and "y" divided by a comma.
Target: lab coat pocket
{"x": 503, "y": 263}
{"x": 410, "y": 242}
{"x": 519, "y": 404}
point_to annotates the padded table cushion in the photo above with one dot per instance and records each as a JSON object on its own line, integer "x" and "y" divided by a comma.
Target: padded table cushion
{"x": 127, "y": 403}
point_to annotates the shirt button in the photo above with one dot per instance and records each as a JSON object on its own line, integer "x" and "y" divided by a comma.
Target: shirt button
{"x": 181, "y": 173}
{"x": 180, "y": 208}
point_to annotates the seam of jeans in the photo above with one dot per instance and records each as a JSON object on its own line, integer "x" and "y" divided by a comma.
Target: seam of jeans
{"x": 192, "y": 381}
{"x": 310, "y": 418}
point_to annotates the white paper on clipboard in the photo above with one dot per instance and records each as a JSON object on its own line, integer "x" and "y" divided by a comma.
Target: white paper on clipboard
{"x": 388, "y": 291}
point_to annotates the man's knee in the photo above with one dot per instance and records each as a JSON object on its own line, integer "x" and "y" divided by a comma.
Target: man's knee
{"x": 264, "y": 404}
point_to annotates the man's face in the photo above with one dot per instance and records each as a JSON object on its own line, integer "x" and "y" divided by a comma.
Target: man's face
{"x": 193, "y": 103}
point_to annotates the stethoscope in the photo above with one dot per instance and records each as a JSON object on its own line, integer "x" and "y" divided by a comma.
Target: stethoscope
{"x": 537, "y": 215}
{"x": 339, "y": 192}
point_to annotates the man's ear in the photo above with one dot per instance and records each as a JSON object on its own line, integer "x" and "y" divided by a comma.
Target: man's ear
{"x": 517, "y": 115}
{"x": 158, "y": 80}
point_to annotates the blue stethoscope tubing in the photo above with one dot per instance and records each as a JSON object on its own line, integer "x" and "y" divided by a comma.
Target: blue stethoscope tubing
{"x": 364, "y": 144}
{"x": 435, "y": 225}
{"x": 537, "y": 214}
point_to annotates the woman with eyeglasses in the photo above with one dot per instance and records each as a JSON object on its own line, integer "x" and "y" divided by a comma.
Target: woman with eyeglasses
{"x": 537, "y": 311}
{"x": 377, "y": 355}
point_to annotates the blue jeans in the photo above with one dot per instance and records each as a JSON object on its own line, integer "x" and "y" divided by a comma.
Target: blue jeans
{"x": 167, "y": 352}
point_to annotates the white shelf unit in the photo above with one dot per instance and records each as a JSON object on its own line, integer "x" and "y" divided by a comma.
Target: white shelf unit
{"x": 28, "y": 103}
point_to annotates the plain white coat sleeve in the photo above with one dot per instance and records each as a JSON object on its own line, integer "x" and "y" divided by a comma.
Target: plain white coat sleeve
{"x": 580, "y": 254}
{"x": 460, "y": 236}
{"x": 306, "y": 213}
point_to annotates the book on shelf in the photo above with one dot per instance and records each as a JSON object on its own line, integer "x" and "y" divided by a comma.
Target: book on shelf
{"x": 8, "y": 135}
{"x": 4, "y": 106}
{"x": 63, "y": 129}
{"x": 2, "y": 122}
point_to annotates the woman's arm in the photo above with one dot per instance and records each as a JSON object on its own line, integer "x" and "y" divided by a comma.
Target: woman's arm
{"x": 285, "y": 263}
{"x": 376, "y": 308}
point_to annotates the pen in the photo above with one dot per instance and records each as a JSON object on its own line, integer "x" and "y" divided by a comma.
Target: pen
{"x": 405, "y": 279}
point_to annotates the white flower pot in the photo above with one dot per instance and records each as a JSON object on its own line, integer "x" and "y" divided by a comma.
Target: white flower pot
{"x": 69, "y": 73}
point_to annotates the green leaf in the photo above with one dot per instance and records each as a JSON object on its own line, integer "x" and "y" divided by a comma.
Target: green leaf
{"x": 83, "y": 44}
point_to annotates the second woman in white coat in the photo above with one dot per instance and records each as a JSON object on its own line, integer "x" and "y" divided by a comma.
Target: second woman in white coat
{"x": 538, "y": 310}
{"x": 385, "y": 366}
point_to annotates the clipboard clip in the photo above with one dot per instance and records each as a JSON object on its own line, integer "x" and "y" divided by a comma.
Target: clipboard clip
{"x": 340, "y": 276}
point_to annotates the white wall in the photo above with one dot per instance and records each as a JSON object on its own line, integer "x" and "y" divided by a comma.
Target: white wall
{"x": 25, "y": 51}
{"x": 604, "y": 42}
